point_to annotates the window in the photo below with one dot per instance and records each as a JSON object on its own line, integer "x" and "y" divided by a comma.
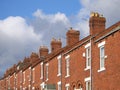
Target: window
{"x": 33, "y": 70}
{"x": 67, "y": 66}
{"x": 42, "y": 86}
{"x": 88, "y": 84}
{"x": 67, "y": 86}
{"x": 30, "y": 74}
{"x": 29, "y": 87}
{"x": 21, "y": 76}
{"x": 16, "y": 79}
{"x": 80, "y": 87}
{"x": 102, "y": 56}
{"x": 47, "y": 71}
{"x": 59, "y": 85}
{"x": 59, "y": 65}
{"x": 41, "y": 70}
{"x": 88, "y": 56}
{"x": 24, "y": 77}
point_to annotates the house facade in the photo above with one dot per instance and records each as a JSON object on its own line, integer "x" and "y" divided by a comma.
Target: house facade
{"x": 91, "y": 63}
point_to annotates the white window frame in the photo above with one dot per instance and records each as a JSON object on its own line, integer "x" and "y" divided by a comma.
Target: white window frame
{"x": 67, "y": 60}
{"x": 102, "y": 58}
{"x": 30, "y": 74}
{"x": 88, "y": 80}
{"x": 59, "y": 65}
{"x": 29, "y": 87}
{"x": 33, "y": 71}
{"x": 42, "y": 85}
{"x": 47, "y": 71}
{"x": 59, "y": 85}
{"x": 67, "y": 86}
{"x": 24, "y": 77}
{"x": 88, "y": 56}
{"x": 16, "y": 79}
{"x": 21, "y": 76}
{"x": 41, "y": 65}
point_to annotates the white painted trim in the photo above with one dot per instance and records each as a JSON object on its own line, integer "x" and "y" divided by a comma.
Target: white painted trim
{"x": 87, "y": 79}
{"x": 42, "y": 84}
{"x": 101, "y": 44}
{"x": 29, "y": 67}
{"x": 68, "y": 56}
{"x": 87, "y": 68}
{"x": 67, "y": 76}
{"x": 41, "y": 63}
{"x": 102, "y": 69}
{"x": 88, "y": 45}
{"x": 33, "y": 69}
{"x": 47, "y": 64}
{"x": 58, "y": 74}
{"x": 67, "y": 85}
{"x": 59, "y": 57}
{"x": 59, "y": 82}
{"x": 84, "y": 54}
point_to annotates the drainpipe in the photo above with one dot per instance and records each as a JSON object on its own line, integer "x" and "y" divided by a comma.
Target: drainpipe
{"x": 91, "y": 77}
{"x": 90, "y": 63}
{"x": 61, "y": 71}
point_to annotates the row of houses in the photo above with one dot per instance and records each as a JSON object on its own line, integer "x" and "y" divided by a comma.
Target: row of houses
{"x": 91, "y": 63}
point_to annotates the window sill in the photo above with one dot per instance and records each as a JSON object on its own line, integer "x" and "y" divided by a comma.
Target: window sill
{"x": 46, "y": 80}
{"x": 41, "y": 77}
{"x": 67, "y": 76}
{"x": 59, "y": 75}
{"x": 102, "y": 69}
{"x": 33, "y": 81}
{"x": 87, "y": 68}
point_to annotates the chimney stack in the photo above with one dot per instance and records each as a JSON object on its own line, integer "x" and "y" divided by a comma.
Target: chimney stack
{"x": 33, "y": 58}
{"x": 96, "y": 23}
{"x": 43, "y": 51}
{"x": 72, "y": 37}
{"x": 55, "y": 44}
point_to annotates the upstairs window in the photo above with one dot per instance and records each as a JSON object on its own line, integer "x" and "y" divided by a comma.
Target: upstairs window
{"x": 102, "y": 55}
{"x": 88, "y": 56}
{"x": 21, "y": 76}
{"x": 59, "y": 65}
{"x": 67, "y": 66}
{"x": 24, "y": 77}
{"x": 47, "y": 71}
{"x": 41, "y": 70}
{"x": 33, "y": 71}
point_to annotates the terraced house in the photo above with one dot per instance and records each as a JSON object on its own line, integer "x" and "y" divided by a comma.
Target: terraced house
{"x": 91, "y": 63}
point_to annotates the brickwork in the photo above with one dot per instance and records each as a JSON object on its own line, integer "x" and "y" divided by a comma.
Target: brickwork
{"x": 88, "y": 64}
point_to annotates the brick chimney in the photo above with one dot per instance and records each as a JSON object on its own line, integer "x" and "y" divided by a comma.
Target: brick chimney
{"x": 72, "y": 37}
{"x": 43, "y": 51}
{"x": 96, "y": 23}
{"x": 34, "y": 57}
{"x": 55, "y": 44}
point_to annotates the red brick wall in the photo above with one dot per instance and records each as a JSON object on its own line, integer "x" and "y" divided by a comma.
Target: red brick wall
{"x": 108, "y": 79}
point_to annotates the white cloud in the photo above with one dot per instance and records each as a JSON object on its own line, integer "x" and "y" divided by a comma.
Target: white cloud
{"x": 17, "y": 40}
{"x": 50, "y": 25}
{"x": 109, "y": 9}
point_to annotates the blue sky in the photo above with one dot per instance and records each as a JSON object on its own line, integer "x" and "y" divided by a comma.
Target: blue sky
{"x": 25, "y": 8}
{"x": 25, "y": 25}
